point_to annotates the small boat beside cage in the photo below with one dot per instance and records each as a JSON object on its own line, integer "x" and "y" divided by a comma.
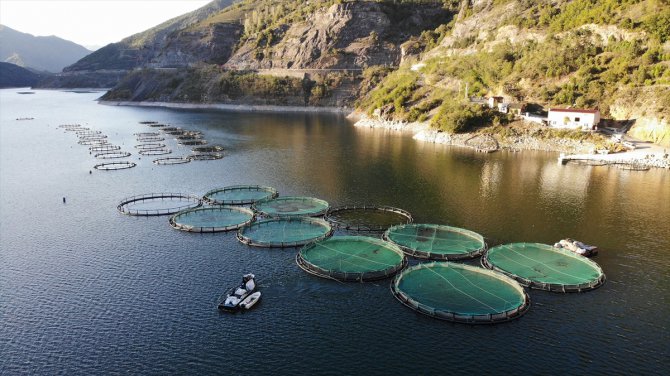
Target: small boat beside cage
{"x": 236, "y": 295}
{"x": 577, "y": 247}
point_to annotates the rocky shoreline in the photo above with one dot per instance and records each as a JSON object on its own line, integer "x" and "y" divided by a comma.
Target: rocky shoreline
{"x": 231, "y": 107}
{"x": 423, "y": 132}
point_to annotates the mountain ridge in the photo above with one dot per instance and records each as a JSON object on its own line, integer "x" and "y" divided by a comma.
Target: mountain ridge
{"x": 49, "y": 53}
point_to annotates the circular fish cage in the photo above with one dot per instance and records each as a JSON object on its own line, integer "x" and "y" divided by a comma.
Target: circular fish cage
{"x": 147, "y": 139}
{"x": 147, "y": 134}
{"x": 152, "y": 204}
{"x": 112, "y": 154}
{"x": 212, "y": 219}
{"x": 155, "y": 151}
{"x": 192, "y": 142}
{"x": 188, "y": 137}
{"x": 460, "y": 293}
{"x": 352, "y": 258}
{"x": 239, "y": 195}
{"x": 206, "y": 157}
{"x": 171, "y": 160}
{"x": 543, "y": 267}
{"x": 147, "y": 122}
{"x": 436, "y": 242}
{"x": 284, "y": 232}
{"x": 207, "y": 149}
{"x": 367, "y": 218}
{"x": 69, "y": 126}
{"x": 93, "y": 142}
{"x": 157, "y": 125}
{"x": 174, "y": 131}
{"x": 89, "y": 133}
{"x": 290, "y": 206}
{"x": 150, "y": 146}
{"x": 105, "y": 147}
{"x": 112, "y": 166}
{"x": 170, "y": 129}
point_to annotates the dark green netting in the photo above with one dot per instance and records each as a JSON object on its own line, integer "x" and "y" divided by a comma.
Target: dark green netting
{"x": 460, "y": 293}
{"x": 284, "y": 232}
{"x": 351, "y": 258}
{"x": 367, "y": 218}
{"x": 239, "y": 194}
{"x": 545, "y": 267}
{"x": 437, "y": 242}
{"x": 212, "y": 219}
{"x": 290, "y": 206}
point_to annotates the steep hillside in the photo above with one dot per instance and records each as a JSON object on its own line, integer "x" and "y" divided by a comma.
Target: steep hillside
{"x": 49, "y": 54}
{"x": 15, "y": 76}
{"x": 582, "y": 53}
{"x": 323, "y": 46}
{"x": 173, "y": 43}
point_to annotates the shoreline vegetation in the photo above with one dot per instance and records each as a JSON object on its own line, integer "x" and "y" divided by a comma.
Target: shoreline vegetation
{"x": 487, "y": 139}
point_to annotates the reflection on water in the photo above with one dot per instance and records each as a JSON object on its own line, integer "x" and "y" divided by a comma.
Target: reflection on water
{"x": 85, "y": 289}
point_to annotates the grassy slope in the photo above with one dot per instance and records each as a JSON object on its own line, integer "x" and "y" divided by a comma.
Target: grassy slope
{"x": 565, "y": 63}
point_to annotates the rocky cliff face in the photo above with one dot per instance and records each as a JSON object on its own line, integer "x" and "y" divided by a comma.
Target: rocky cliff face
{"x": 350, "y": 35}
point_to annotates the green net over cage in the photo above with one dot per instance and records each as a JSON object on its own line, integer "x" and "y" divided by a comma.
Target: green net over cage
{"x": 352, "y": 258}
{"x": 367, "y": 218}
{"x": 284, "y": 232}
{"x": 212, "y": 219}
{"x": 290, "y": 206}
{"x": 239, "y": 195}
{"x": 460, "y": 293}
{"x": 436, "y": 242}
{"x": 544, "y": 267}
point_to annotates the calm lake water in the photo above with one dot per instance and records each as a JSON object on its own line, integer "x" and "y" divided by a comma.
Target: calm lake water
{"x": 84, "y": 289}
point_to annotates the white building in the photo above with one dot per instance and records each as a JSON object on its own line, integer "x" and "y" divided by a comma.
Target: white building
{"x": 573, "y": 118}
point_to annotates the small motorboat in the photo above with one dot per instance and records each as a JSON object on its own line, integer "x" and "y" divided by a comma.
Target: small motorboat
{"x": 577, "y": 247}
{"x": 237, "y": 294}
{"x": 250, "y": 300}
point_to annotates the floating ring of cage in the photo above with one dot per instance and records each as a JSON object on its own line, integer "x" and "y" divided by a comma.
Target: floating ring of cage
{"x": 543, "y": 267}
{"x": 100, "y": 137}
{"x": 436, "y": 242}
{"x": 111, "y": 166}
{"x": 77, "y": 130}
{"x": 151, "y": 204}
{"x": 146, "y": 134}
{"x": 170, "y": 129}
{"x": 104, "y": 147}
{"x": 148, "y": 122}
{"x": 150, "y": 146}
{"x": 157, "y": 125}
{"x": 171, "y": 160}
{"x": 239, "y": 195}
{"x": 112, "y": 154}
{"x": 207, "y": 149}
{"x": 352, "y": 258}
{"x": 89, "y": 133}
{"x": 193, "y": 142}
{"x": 367, "y": 218}
{"x": 155, "y": 151}
{"x": 150, "y": 139}
{"x": 66, "y": 126}
{"x": 188, "y": 137}
{"x": 284, "y": 232}
{"x": 175, "y": 132}
{"x": 460, "y": 293}
{"x": 205, "y": 157}
{"x": 290, "y": 206}
{"x": 212, "y": 219}
{"x": 93, "y": 142}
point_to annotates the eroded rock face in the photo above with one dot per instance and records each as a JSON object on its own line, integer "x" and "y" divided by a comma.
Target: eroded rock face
{"x": 343, "y": 36}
